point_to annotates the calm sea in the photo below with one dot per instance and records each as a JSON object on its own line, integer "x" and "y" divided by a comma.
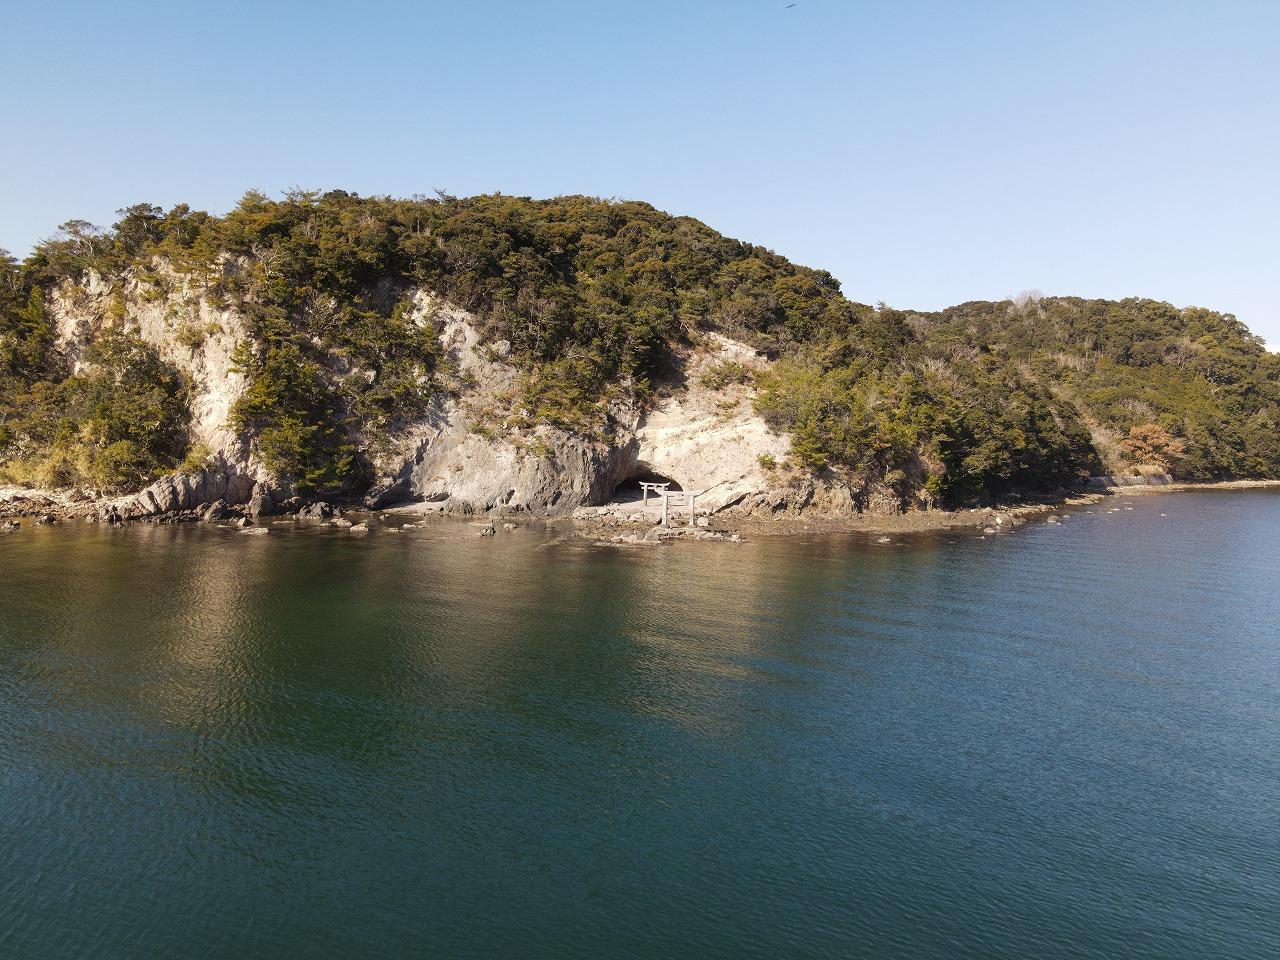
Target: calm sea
{"x": 1062, "y": 742}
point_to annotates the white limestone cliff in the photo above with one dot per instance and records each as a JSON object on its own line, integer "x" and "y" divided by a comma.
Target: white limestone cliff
{"x": 703, "y": 437}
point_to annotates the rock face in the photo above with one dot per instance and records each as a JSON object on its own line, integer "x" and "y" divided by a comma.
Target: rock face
{"x": 472, "y": 452}
{"x": 217, "y": 511}
{"x": 450, "y": 464}
{"x": 261, "y": 502}
{"x": 197, "y": 338}
{"x": 703, "y": 438}
{"x": 1113, "y": 481}
{"x": 186, "y": 329}
{"x": 443, "y": 459}
{"x": 708, "y": 439}
{"x": 179, "y": 492}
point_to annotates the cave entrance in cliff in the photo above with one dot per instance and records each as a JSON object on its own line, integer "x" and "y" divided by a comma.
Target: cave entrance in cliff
{"x": 629, "y": 490}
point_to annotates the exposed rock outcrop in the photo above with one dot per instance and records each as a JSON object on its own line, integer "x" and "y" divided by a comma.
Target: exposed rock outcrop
{"x": 710, "y": 439}
{"x": 180, "y": 492}
{"x": 217, "y": 511}
{"x": 703, "y": 434}
{"x": 1113, "y": 481}
{"x": 199, "y": 339}
{"x": 445, "y": 458}
{"x": 704, "y": 438}
{"x": 187, "y": 330}
{"x": 261, "y": 502}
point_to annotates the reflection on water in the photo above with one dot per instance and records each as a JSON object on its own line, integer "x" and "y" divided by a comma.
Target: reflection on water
{"x": 1057, "y": 743}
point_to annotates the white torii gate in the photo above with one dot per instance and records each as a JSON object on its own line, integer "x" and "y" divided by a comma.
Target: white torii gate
{"x": 682, "y": 496}
{"x": 658, "y": 488}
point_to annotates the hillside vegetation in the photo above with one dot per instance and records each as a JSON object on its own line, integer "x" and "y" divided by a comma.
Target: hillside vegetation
{"x": 596, "y": 301}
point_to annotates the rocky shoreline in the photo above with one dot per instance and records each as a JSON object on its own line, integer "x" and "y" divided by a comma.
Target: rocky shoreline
{"x": 618, "y": 524}
{"x": 476, "y": 452}
{"x": 621, "y": 524}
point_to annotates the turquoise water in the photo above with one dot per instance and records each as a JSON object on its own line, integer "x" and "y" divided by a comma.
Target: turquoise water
{"x": 1060, "y": 743}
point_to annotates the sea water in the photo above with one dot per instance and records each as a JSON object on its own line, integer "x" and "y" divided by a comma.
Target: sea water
{"x": 1062, "y": 741}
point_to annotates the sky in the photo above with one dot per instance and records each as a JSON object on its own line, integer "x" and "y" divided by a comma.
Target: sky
{"x": 924, "y": 153}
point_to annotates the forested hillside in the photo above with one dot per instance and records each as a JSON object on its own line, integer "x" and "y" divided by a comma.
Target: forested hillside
{"x": 596, "y": 301}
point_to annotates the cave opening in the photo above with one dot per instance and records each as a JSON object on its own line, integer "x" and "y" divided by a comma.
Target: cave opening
{"x": 629, "y": 489}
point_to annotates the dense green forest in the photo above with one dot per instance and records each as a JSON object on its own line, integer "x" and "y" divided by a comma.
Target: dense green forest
{"x": 597, "y": 299}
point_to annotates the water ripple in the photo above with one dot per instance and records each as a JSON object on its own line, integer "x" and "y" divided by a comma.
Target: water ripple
{"x": 1057, "y": 742}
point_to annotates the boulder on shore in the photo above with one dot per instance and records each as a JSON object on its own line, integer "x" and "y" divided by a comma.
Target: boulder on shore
{"x": 261, "y": 503}
{"x": 218, "y": 510}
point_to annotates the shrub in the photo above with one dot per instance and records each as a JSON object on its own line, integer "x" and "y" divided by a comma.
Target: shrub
{"x": 725, "y": 373}
{"x": 117, "y": 425}
{"x": 189, "y": 335}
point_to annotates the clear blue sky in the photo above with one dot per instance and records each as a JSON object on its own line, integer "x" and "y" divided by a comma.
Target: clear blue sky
{"x": 924, "y": 153}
